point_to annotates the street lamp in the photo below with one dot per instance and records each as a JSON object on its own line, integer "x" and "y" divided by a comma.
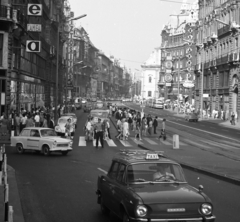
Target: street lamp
{"x": 57, "y": 59}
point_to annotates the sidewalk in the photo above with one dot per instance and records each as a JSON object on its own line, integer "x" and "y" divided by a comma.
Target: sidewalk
{"x": 200, "y": 160}
{"x": 14, "y": 198}
{"x": 221, "y": 122}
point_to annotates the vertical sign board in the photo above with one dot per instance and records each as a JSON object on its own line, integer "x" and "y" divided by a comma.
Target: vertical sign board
{"x": 34, "y": 10}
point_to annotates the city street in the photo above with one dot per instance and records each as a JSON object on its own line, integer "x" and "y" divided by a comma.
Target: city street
{"x": 62, "y": 188}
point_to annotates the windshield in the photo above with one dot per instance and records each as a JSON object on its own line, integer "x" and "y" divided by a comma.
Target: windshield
{"x": 100, "y": 114}
{"x": 62, "y": 121}
{"x": 48, "y": 132}
{"x": 155, "y": 172}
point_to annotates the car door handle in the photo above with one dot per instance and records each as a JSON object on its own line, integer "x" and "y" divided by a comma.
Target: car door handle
{"x": 33, "y": 140}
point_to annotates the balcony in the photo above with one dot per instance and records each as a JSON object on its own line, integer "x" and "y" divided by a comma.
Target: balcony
{"x": 222, "y": 60}
{"x": 6, "y": 13}
{"x": 225, "y": 30}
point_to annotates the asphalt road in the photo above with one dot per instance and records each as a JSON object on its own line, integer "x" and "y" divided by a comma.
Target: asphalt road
{"x": 62, "y": 188}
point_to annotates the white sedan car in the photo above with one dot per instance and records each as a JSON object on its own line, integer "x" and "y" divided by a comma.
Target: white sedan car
{"x": 60, "y": 128}
{"x": 43, "y": 140}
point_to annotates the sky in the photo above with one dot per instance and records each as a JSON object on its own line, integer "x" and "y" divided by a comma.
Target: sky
{"x": 127, "y": 29}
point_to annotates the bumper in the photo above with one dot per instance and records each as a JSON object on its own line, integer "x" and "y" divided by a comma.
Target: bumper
{"x": 200, "y": 219}
{"x": 60, "y": 149}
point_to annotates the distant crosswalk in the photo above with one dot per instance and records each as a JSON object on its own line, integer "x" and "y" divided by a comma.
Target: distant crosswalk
{"x": 129, "y": 143}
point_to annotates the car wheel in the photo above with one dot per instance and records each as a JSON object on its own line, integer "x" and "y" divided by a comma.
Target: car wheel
{"x": 19, "y": 148}
{"x": 104, "y": 209}
{"x": 64, "y": 153}
{"x": 125, "y": 217}
{"x": 46, "y": 151}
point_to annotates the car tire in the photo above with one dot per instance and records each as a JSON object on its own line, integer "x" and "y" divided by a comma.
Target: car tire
{"x": 125, "y": 217}
{"x": 64, "y": 153}
{"x": 104, "y": 209}
{"x": 19, "y": 148}
{"x": 46, "y": 150}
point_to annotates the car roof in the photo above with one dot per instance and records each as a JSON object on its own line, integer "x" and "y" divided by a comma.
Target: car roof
{"x": 139, "y": 156}
{"x": 99, "y": 111}
{"x": 69, "y": 114}
{"x": 65, "y": 117}
{"x": 37, "y": 128}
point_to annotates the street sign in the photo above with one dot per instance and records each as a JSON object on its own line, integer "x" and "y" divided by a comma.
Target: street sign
{"x": 168, "y": 77}
{"x": 188, "y": 84}
{"x": 34, "y": 9}
{"x": 33, "y": 46}
{"x": 168, "y": 71}
{"x": 205, "y": 95}
{"x": 168, "y": 84}
{"x": 34, "y": 27}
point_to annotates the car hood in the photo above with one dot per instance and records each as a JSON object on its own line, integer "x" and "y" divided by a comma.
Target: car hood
{"x": 167, "y": 193}
{"x": 56, "y": 138}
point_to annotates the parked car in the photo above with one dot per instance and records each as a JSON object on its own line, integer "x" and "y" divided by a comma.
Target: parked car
{"x": 44, "y": 140}
{"x": 60, "y": 128}
{"x": 191, "y": 117}
{"x": 143, "y": 185}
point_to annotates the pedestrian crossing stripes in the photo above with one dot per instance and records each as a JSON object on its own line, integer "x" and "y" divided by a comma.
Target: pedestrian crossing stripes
{"x": 132, "y": 142}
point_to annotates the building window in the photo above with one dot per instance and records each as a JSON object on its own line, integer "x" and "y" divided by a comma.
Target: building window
{"x": 150, "y": 79}
{"x": 149, "y": 93}
{"x": 1, "y": 49}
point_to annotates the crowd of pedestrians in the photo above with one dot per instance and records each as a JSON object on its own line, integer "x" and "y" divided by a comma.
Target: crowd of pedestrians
{"x": 131, "y": 120}
{"x": 17, "y": 121}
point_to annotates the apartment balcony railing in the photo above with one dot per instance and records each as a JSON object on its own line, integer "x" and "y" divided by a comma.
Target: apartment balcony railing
{"x": 224, "y": 31}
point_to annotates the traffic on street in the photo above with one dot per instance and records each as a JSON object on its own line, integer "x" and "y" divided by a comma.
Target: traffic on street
{"x": 63, "y": 188}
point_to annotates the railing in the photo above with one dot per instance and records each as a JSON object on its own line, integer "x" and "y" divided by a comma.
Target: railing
{"x": 6, "y": 12}
{"x": 224, "y": 30}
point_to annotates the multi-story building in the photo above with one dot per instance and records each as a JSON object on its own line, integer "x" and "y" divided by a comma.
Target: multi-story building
{"x": 218, "y": 43}
{"x": 150, "y": 75}
{"x": 28, "y": 79}
{"x": 177, "y": 55}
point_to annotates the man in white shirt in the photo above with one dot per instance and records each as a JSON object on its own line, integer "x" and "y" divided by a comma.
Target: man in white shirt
{"x": 37, "y": 120}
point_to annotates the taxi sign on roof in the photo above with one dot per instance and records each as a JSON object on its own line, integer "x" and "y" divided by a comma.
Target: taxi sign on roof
{"x": 152, "y": 156}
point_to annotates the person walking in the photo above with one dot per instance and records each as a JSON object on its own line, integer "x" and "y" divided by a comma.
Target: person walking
{"x": 99, "y": 133}
{"x": 232, "y": 121}
{"x": 163, "y": 130}
{"x": 138, "y": 132}
{"x": 23, "y": 122}
{"x": 119, "y": 128}
{"x": 37, "y": 119}
{"x": 125, "y": 130}
{"x": 29, "y": 121}
{"x": 44, "y": 124}
{"x": 108, "y": 129}
{"x": 155, "y": 124}
{"x": 150, "y": 125}
{"x": 17, "y": 124}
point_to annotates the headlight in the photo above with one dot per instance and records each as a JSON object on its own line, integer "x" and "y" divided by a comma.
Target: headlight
{"x": 206, "y": 209}
{"x": 57, "y": 128}
{"x": 70, "y": 143}
{"x": 141, "y": 211}
{"x": 54, "y": 144}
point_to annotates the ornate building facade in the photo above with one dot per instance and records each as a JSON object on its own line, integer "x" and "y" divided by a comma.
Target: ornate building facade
{"x": 176, "y": 79}
{"x": 218, "y": 43}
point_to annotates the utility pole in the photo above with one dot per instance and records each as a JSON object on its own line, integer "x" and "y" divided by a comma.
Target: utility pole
{"x": 178, "y": 83}
{"x": 203, "y": 58}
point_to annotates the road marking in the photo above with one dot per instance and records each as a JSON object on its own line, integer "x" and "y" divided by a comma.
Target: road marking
{"x": 104, "y": 171}
{"x": 136, "y": 141}
{"x": 82, "y": 141}
{"x": 165, "y": 142}
{"x": 111, "y": 143}
{"x": 150, "y": 141}
{"x": 197, "y": 144}
{"x": 125, "y": 143}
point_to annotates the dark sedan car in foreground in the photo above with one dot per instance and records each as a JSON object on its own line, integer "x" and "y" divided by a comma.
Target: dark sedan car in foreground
{"x": 146, "y": 186}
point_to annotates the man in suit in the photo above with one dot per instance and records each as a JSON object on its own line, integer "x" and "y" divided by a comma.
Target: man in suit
{"x": 155, "y": 124}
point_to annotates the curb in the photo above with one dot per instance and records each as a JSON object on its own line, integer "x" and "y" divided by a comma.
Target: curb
{"x": 201, "y": 170}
